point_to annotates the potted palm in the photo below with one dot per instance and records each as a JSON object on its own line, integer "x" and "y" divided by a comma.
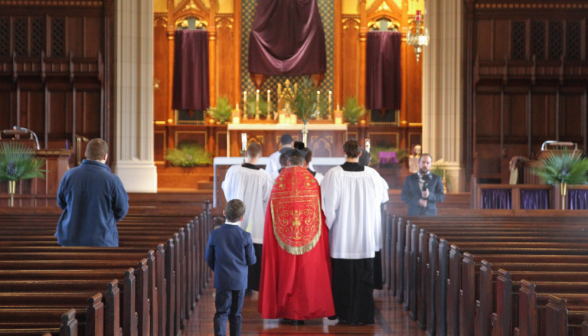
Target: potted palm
{"x": 563, "y": 168}
{"x": 305, "y": 103}
{"x": 222, "y": 112}
{"x": 18, "y": 162}
{"x": 188, "y": 155}
{"x": 352, "y": 111}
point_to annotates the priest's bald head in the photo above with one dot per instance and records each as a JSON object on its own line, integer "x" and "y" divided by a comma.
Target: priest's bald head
{"x": 253, "y": 153}
{"x": 297, "y": 158}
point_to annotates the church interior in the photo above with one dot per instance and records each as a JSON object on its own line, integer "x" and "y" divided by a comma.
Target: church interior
{"x": 495, "y": 91}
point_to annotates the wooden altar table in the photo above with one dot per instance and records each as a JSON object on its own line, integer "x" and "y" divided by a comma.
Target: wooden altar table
{"x": 325, "y": 140}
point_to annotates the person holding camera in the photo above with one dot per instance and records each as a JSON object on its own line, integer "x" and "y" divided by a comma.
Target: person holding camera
{"x": 423, "y": 190}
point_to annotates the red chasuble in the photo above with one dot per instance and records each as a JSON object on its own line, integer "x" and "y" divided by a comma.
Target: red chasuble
{"x": 296, "y": 262}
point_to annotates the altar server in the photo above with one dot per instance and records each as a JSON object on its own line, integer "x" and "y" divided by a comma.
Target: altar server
{"x": 351, "y": 198}
{"x": 273, "y": 164}
{"x": 307, "y": 161}
{"x": 252, "y": 185}
{"x": 283, "y": 164}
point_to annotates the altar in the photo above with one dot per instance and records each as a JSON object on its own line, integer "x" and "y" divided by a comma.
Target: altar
{"x": 325, "y": 140}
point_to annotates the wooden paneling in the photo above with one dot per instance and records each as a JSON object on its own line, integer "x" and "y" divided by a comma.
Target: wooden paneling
{"x": 63, "y": 93}
{"x": 161, "y": 71}
{"x": 514, "y": 105}
{"x": 350, "y": 61}
{"x": 225, "y": 58}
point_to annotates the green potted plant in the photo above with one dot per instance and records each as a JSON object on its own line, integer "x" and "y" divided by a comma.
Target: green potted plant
{"x": 18, "y": 162}
{"x": 222, "y": 112}
{"x": 563, "y": 168}
{"x": 188, "y": 155}
{"x": 305, "y": 103}
{"x": 251, "y": 106}
{"x": 352, "y": 111}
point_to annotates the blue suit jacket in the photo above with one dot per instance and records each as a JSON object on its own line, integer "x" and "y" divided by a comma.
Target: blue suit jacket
{"x": 411, "y": 194}
{"x": 228, "y": 253}
{"x": 92, "y": 199}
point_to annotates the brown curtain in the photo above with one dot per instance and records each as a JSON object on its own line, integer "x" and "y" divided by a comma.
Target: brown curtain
{"x": 190, "y": 86}
{"x": 287, "y": 38}
{"x": 383, "y": 77}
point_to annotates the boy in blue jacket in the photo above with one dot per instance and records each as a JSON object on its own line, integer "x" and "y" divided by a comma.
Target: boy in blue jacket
{"x": 229, "y": 253}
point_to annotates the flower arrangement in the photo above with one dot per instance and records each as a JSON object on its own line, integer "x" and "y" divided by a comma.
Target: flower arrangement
{"x": 18, "y": 162}
{"x": 188, "y": 155}
{"x": 352, "y": 111}
{"x": 222, "y": 112}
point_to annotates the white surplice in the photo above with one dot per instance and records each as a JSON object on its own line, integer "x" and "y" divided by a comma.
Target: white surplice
{"x": 253, "y": 187}
{"x": 351, "y": 202}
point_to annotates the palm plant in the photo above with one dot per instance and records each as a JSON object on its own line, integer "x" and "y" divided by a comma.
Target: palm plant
{"x": 352, "y": 111}
{"x": 305, "y": 103}
{"x": 18, "y": 162}
{"x": 223, "y": 110}
{"x": 188, "y": 155}
{"x": 262, "y": 105}
{"x": 563, "y": 167}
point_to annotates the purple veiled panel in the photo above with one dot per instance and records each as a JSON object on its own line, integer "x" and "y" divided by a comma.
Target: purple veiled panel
{"x": 496, "y": 199}
{"x": 287, "y": 39}
{"x": 387, "y": 157}
{"x": 577, "y": 199}
{"x": 190, "y": 86}
{"x": 534, "y": 199}
{"x": 383, "y": 88}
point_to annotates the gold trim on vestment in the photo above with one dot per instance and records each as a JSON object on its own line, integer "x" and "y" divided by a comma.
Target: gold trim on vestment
{"x": 300, "y": 249}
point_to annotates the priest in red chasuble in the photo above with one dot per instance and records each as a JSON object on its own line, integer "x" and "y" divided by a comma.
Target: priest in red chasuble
{"x": 295, "y": 270}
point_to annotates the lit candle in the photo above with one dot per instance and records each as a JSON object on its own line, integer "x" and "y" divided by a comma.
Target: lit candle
{"x": 237, "y": 106}
{"x": 318, "y": 100}
{"x": 244, "y": 141}
{"x": 330, "y": 100}
{"x": 257, "y": 100}
{"x": 268, "y": 103}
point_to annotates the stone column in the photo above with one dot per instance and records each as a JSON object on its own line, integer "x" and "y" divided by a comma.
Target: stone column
{"x": 134, "y": 95}
{"x": 443, "y": 88}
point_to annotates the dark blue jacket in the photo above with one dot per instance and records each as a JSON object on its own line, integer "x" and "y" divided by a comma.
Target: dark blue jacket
{"x": 411, "y": 194}
{"x": 228, "y": 253}
{"x": 92, "y": 199}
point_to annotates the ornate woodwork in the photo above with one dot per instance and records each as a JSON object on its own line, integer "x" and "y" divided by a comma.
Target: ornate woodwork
{"x": 55, "y": 66}
{"x": 526, "y": 80}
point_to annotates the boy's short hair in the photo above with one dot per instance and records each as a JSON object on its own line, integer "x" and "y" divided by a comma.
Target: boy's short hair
{"x": 234, "y": 210}
{"x": 254, "y": 150}
{"x": 352, "y": 148}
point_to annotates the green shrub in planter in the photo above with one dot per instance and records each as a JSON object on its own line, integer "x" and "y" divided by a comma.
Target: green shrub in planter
{"x": 188, "y": 155}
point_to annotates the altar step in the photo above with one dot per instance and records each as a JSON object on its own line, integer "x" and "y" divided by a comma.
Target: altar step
{"x": 196, "y": 178}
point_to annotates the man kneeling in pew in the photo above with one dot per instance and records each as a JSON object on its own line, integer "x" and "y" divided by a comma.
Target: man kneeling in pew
{"x": 93, "y": 200}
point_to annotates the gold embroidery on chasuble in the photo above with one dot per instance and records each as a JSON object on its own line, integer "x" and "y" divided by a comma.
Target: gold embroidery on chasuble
{"x": 296, "y": 209}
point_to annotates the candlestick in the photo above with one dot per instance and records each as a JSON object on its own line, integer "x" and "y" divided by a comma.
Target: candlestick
{"x": 244, "y": 141}
{"x": 330, "y": 106}
{"x": 237, "y": 106}
{"x": 367, "y": 145}
{"x": 268, "y": 104}
{"x": 257, "y": 105}
{"x": 244, "y": 104}
{"x": 318, "y": 105}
